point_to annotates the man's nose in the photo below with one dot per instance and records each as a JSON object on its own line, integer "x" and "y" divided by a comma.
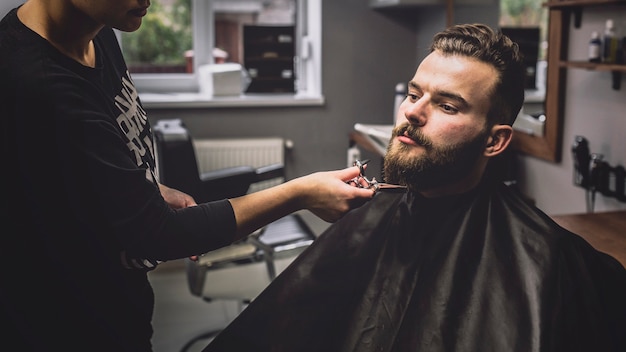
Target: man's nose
{"x": 416, "y": 112}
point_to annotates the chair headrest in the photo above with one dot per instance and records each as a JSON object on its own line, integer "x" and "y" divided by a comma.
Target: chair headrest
{"x": 171, "y": 130}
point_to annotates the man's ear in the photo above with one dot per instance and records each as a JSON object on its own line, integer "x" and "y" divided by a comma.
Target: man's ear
{"x": 498, "y": 140}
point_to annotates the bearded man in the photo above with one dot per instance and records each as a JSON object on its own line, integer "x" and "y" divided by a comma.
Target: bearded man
{"x": 456, "y": 262}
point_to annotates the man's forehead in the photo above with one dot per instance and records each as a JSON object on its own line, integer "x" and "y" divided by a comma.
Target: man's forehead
{"x": 456, "y": 74}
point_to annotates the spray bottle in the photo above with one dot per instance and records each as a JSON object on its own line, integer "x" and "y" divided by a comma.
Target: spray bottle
{"x": 595, "y": 48}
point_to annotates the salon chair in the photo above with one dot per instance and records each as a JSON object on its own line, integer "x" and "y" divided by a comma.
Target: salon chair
{"x": 242, "y": 270}
{"x": 178, "y": 168}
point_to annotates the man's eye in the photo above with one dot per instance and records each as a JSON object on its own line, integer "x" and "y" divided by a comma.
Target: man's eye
{"x": 413, "y": 97}
{"x": 449, "y": 108}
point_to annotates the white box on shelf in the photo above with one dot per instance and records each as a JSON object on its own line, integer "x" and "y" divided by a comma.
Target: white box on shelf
{"x": 227, "y": 79}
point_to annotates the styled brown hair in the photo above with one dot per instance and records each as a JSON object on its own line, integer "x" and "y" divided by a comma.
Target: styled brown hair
{"x": 483, "y": 43}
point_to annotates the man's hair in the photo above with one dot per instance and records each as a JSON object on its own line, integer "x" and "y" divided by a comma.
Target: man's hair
{"x": 483, "y": 43}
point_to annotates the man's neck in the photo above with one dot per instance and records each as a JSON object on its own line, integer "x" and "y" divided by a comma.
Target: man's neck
{"x": 461, "y": 186}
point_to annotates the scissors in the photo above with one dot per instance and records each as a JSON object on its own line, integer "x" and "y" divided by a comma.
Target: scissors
{"x": 370, "y": 184}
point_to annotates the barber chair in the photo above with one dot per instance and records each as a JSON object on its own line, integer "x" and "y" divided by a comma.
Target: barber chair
{"x": 178, "y": 167}
{"x": 242, "y": 270}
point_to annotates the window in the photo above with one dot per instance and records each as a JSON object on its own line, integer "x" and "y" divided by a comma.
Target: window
{"x": 526, "y": 13}
{"x": 160, "y": 44}
{"x": 178, "y": 36}
{"x": 526, "y": 22}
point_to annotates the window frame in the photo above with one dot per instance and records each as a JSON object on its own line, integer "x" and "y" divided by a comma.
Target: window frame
{"x": 167, "y": 90}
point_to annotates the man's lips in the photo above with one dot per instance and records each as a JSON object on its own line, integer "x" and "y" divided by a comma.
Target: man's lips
{"x": 406, "y": 140}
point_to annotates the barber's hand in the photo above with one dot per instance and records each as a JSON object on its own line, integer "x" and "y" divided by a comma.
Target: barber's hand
{"x": 175, "y": 198}
{"x": 330, "y": 197}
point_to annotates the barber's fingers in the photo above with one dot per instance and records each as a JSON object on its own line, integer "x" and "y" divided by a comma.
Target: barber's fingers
{"x": 363, "y": 183}
{"x": 348, "y": 173}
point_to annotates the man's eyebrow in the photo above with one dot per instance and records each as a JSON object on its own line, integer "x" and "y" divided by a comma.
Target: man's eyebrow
{"x": 459, "y": 99}
{"x": 452, "y": 96}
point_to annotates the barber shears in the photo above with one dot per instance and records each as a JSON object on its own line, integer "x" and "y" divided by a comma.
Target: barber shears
{"x": 362, "y": 181}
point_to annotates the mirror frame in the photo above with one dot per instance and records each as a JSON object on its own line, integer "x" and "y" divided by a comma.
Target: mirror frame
{"x": 548, "y": 147}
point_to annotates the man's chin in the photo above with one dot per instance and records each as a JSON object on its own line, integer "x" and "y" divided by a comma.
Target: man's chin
{"x": 405, "y": 153}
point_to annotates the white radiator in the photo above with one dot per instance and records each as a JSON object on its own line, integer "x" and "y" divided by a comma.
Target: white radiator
{"x": 214, "y": 154}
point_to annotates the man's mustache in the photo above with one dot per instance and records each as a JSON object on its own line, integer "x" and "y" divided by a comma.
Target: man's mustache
{"x": 412, "y": 132}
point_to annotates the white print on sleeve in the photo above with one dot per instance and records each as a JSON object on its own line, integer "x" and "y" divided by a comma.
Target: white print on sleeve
{"x": 132, "y": 121}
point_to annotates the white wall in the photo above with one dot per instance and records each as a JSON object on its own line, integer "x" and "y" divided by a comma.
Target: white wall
{"x": 592, "y": 109}
{"x": 7, "y": 5}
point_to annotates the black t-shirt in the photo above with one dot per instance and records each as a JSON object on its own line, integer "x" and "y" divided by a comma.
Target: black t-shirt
{"x": 85, "y": 220}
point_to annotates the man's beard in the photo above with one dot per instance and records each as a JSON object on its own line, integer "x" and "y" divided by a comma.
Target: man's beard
{"x": 438, "y": 166}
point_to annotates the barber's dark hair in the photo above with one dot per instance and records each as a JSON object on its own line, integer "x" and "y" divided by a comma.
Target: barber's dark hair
{"x": 492, "y": 47}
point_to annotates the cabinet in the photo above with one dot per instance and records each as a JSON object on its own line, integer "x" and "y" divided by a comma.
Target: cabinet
{"x": 269, "y": 58}
{"x": 548, "y": 147}
{"x": 606, "y": 231}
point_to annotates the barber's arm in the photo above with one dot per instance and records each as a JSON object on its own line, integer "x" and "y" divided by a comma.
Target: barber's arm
{"x": 325, "y": 194}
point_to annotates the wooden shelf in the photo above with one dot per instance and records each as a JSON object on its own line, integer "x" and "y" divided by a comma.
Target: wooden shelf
{"x": 593, "y": 66}
{"x": 574, "y": 3}
{"x": 614, "y": 68}
{"x": 576, "y": 6}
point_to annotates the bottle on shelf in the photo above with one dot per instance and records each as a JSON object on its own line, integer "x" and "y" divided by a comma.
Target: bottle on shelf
{"x": 609, "y": 43}
{"x": 595, "y": 47}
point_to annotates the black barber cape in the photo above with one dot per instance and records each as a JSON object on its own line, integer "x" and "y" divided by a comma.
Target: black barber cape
{"x": 483, "y": 271}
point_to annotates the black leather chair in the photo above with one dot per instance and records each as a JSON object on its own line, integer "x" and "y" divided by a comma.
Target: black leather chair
{"x": 178, "y": 167}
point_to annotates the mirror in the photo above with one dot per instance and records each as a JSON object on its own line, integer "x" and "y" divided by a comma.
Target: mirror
{"x": 538, "y": 127}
